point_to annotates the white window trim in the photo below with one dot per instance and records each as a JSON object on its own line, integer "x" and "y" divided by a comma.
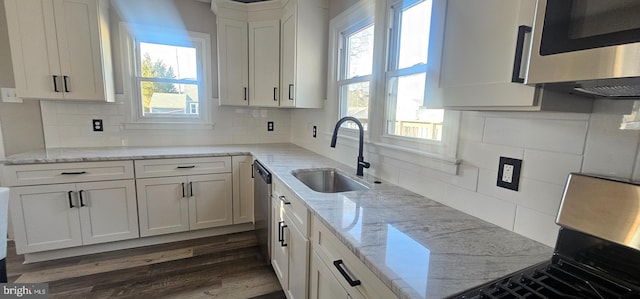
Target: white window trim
{"x": 134, "y": 119}
{"x": 439, "y": 155}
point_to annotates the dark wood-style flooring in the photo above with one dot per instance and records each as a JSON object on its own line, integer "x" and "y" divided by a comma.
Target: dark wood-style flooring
{"x": 227, "y": 266}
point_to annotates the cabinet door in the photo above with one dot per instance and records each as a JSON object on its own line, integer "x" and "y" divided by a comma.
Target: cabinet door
{"x": 323, "y": 285}
{"x": 233, "y": 62}
{"x": 264, "y": 63}
{"x": 288, "y": 56}
{"x": 280, "y": 249}
{"x": 45, "y": 217}
{"x": 108, "y": 211}
{"x": 298, "y": 261}
{"x": 34, "y": 48}
{"x": 210, "y": 200}
{"x": 163, "y": 205}
{"x": 478, "y": 54}
{"x": 242, "y": 189}
{"x": 79, "y": 44}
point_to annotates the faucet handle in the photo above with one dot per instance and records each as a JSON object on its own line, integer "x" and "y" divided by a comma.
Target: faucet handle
{"x": 364, "y": 164}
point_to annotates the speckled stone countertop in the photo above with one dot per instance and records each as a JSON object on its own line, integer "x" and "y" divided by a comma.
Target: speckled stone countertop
{"x": 418, "y": 247}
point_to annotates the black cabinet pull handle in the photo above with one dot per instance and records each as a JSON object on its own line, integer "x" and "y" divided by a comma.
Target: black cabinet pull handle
{"x": 282, "y": 243}
{"x": 55, "y": 83}
{"x": 339, "y": 264}
{"x": 253, "y": 176}
{"x": 71, "y": 206}
{"x": 191, "y": 189}
{"x": 183, "y": 196}
{"x": 284, "y": 200}
{"x": 280, "y": 231}
{"x": 186, "y": 167}
{"x": 275, "y": 94}
{"x": 245, "y": 93}
{"x": 517, "y": 61}
{"x": 73, "y": 172}
{"x": 81, "y": 199}
{"x": 290, "y": 86}
{"x": 66, "y": 84}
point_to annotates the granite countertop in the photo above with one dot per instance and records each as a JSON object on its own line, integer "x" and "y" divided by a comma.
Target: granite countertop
{"x": 418, "y": 247}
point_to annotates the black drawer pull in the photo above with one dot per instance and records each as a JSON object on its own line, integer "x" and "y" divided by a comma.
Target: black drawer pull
{"x": 282, "y": 243}
{"x": 55, "y": 83}
{"x": 71, "y": 206}
{"x": 275, "y": 94}
{"x": 66, "y": 84}
{"x": 73, "y": 172}
{"x": 284, "y": 200}
{"x": 280, "y": 231}
{"x": 339, "y": 264}
{"x": 183, "y": 196}
{"x": 186, "y": 167}
{"x": 81, "y": 199}
{"x": 191, "y": 189}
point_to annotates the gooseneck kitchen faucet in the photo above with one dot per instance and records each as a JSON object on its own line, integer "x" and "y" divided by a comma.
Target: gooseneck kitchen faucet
{"x": 361, "y": 163}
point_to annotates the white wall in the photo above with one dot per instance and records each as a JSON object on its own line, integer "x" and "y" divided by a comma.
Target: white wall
{"x": 551, "y": 145}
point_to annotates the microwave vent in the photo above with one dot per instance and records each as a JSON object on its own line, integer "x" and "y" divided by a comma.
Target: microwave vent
{"x": 611, "y": 90}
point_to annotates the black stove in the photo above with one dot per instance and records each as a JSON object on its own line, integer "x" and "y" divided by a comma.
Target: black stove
{"x": 584, "y": 265}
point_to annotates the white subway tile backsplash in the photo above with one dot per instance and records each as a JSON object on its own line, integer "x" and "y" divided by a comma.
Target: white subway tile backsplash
{"x": 418, "y": 183}
{"x": 487, "y": 156}
{"x": 565, "y": 136}
{"x": 496, "y": 211}
{"x": 537, "y": 195}
{"x": 549, "y": 166}
{"x": 471, "y": 127}
{"x": 609, "y": 150}
{"x": 535, "y": 225}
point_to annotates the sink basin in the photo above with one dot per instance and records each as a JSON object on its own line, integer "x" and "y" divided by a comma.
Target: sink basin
{"x": 327, "y": 180}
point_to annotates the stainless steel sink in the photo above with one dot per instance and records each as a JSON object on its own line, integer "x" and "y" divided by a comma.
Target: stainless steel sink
{"x": 327, "y": 180}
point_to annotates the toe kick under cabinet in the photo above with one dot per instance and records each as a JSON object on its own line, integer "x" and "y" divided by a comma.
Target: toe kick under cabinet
{"x": 178, "y": 195}
{"x": 61, "y": 205}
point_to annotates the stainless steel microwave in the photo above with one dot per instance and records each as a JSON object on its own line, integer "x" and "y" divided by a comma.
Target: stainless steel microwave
{"x": 592, "y": 46}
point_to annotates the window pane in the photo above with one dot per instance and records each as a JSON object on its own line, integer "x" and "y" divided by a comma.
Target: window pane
{"x": 406, "y": 115}
{"x": 355, "y": 103}
{"x": 167, "y": 61}
{"x": 169, "y": 99}
{"x": 414, "y": 25}
{"x": 359, "y": 59}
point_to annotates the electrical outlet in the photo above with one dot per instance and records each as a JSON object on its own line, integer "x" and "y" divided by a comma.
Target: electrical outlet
{"x": 97, "y": 125}
{"x": 315, "y": 131}
{"x": 9, "y": 95}
{"x": 269, "y": 126}
{"x": 509, "y": 173}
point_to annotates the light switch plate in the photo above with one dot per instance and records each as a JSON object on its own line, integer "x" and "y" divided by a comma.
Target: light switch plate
{"x": 9, "y": 95}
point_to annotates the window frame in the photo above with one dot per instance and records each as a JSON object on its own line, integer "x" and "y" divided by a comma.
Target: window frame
{"x": 440, "y": 155}
{"x": 131, "y": 35}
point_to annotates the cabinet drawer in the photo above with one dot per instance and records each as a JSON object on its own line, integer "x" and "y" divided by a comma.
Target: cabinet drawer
{"x": 331, "y": 250}
{"x": 55, "y": 173}
{"x": 186, "y": 166}
{"x": 293, "y": 206}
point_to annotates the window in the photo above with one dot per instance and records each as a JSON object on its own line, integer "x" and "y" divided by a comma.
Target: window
{"x": 406, "y": 73}
{"x": 355, "y": 72}
{"x": 168, "y": 75}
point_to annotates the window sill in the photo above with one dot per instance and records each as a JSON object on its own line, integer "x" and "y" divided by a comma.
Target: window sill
{"x": 421, "y": 158}
{"x": 168, "y": 126}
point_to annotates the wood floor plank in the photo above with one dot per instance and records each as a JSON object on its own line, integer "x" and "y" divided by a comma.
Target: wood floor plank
{"x": 229, "y": 266}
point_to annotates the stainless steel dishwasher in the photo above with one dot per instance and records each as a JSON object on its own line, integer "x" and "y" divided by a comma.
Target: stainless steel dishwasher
{"x": 262, "y": 208}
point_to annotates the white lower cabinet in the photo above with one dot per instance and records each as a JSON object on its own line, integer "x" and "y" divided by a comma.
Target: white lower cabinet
{"x": 290, "y": 247}
{"x": 47, "y": 217}
{"x": 323, "y": 285}
{"x": 176, "y": 204}
{"x": 334, "y": 265}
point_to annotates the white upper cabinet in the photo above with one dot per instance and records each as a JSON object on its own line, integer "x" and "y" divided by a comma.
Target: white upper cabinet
{"x": 233, "y": 62}
{"x": 273, "y": 53}
{"x": 303, "y": 50}
{"x": 485, "y": 44}
{"x": 264, "y": 63}
{"x": 61, "y": 49}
